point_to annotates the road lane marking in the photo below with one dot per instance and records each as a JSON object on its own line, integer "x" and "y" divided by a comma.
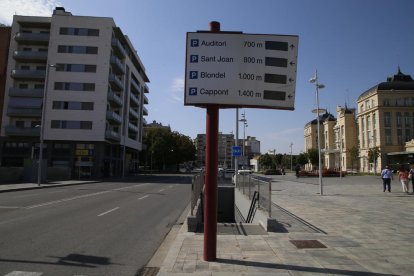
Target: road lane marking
{"x": 143, "y": 197}
{"x": 65, "y": 199}
{"x": 11, "y": 207}
{"x": 161, "y": 190}
{"x": 107, "y": 212}
{"x": 24, "y": 273}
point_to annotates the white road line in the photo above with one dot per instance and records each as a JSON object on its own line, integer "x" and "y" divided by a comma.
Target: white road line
{"x": 161, "y": 190}
{"x": 107, "y": 212}
{"x": 24, "y": 273}
{"x": 143, "y": 197}
{"x": 65, "y": 199}
{"x": 10, "y": 207}
{"x": 170, "y": 186}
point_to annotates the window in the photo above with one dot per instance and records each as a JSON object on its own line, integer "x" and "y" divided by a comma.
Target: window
{"x": 19, "y": 123}
{"x": 407, "y": 119}
{"x": 23, "y": 85}
{"x": 386, "y": 102}
{"x": 73, "y": 105}
{"x": 399, "y": 119}
{"x": 71, "y": 124}
{"x": 388, "y": 140}
{"x": 399, "y": 136}
{"x": 77, "y": 49}
{"x": 34, "y": 123}
{"x": 76, "y": 67}
{"x": 79, "y": 31}
{"x": 387, "y": 119}
{"x": 75, "y": 86}
{"x": 407, "y": 134}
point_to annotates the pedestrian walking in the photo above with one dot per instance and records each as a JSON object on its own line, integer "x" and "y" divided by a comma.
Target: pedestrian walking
{"x": 297, "y": 170}
{"x": 386, "y": 175}
{"x": 403, "y": 178}
{"x": 411, "y": 177}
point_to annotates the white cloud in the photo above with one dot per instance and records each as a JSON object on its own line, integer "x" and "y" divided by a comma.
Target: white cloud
{"x": 177, "y": 90}
{"x": 8, "y": 8}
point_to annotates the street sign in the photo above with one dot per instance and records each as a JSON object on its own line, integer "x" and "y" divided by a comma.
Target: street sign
{"x": 241, "y": 70}
{"x": 236, "y": 151}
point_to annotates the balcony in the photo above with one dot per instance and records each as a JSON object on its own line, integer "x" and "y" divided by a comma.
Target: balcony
{"x": 114, "y": 98}
{"x": 32, "y": 38}
{"x": 135, "y": 86}
{"x": 133, "y": 113}
{"x": 134, "y": 100}
{"x": 28, "y": 74}
{"x": 146, "y": 90}
{"x": 145, "y": 100}
{"x": 113, "y": 117}
{"x": 30, "y": 56}
{"x": 118, "y": 48}
{"x": 116, "y": 83}
{"x": 24, "y": 112}
{"x": 117, "y": 65}
{"x": 144, "y": 122}
{"x": 22, "y": 131}
{"x": 26, "y": 92}
{"x": 112, "y": 135}
{"x": 132, "y": 127}
{"x": 144, "y": 111}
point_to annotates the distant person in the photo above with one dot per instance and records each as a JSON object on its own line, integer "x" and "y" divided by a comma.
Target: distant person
{"x": 297, "y": 169}
{"x": 386, "y": 175}
{"x": 403, "y": 178}
{"x": 411, "y": 177}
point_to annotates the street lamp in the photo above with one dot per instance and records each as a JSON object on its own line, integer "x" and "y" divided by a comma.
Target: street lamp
{"x": 291, "y": 164}
{"x": 42, "y": 124}
{"x": 244, "y": 120}
{"x": 318, "y": 86}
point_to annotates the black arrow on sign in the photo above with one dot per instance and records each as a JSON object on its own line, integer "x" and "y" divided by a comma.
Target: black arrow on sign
{"x": 290, "y": 79}
{"x": 292, "y": 63}
{"x": 289, "y": 96}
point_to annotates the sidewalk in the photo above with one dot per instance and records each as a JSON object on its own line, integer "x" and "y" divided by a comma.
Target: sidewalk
{"x": 30, "y": 186}
{"x": 363, "y": 230}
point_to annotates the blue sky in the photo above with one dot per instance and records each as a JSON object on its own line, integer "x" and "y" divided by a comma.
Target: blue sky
{"x": 353, "y": 44}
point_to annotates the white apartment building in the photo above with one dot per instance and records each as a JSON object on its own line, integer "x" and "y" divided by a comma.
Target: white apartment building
{"x": 94, "y": 85}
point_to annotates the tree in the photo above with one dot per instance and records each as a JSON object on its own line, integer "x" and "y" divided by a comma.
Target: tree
{"x": 373, "y": 154}
{"x": 313, "y": 156}
{"x": 266, "y": 161}
{"x": 302, "y": 159}
{"x": 353, "y": 155}
{"x": 166, "y": 149}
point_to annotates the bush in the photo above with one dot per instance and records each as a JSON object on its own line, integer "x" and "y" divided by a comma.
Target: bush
{"x": 272, "y": 172}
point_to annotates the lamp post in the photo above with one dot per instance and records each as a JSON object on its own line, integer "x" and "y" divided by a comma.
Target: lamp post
{"x": 291, "y": 163}
{"x": 318, "y": 86}
{"x": 42, "y": 124}
{"x": 244, "y": 120}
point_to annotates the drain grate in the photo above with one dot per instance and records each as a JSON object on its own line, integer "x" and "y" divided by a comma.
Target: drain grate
{"x": 303, "y": 244}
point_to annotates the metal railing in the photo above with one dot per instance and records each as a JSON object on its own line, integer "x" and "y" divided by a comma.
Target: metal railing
{"x": 196, "y": 189}
{"x": 248, "y": 184}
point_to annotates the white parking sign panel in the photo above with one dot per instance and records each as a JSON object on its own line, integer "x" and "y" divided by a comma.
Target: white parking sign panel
{"x": 241, "y": 70}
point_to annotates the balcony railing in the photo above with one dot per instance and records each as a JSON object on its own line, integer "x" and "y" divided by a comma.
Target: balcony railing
{"x": 113, "y": 117}
{"x": 146, "y": 100}
{"x": 22, "y": 131}
{"x": 28, "y": 74}
{"x": 118, "y": 48}
{"x": 133, "y": 113}
{"x": 117, "y": 65}
{"x": 144, "y": 111}
{"x": 134, "y": 100}
{"x": 32, "y": 38}
{"x": 30, "y": 56}
{"x": 116, "y": 83}
{"x": 135, "y": 86}
{"x": 114, "y": 98}
{"x": 112, "y": 135}
{"x": 26, "y": 92}
{"x": 133, "y": 127}
{"x": 24, "y": 112}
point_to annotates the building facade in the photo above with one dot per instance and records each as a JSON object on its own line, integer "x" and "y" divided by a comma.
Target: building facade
{"x": 385, "y": 120}
{"x": 79, "y": 81}
{"x": 225, "y": 144}
{"x": 4, "y": 53}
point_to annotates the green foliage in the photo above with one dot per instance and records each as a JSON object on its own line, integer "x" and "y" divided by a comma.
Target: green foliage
{"x": 166, "y": 149}
{"x": 302, "y": 159}
{"x": 266, "y": 161}
{"x": 373, "y": 154}
{"x": 354, "y": 155}
{"x": 313, "y": 156}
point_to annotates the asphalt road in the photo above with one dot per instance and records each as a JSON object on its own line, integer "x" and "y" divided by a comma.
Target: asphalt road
{"x": 110, "y": 228}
